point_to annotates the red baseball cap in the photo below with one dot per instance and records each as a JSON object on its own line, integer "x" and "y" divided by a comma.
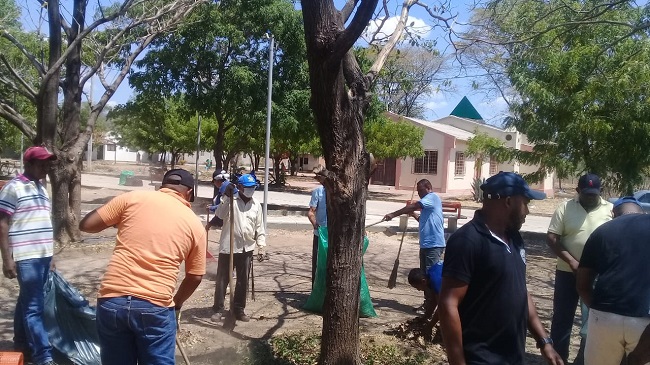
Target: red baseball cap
{"x": 38, "y": 153}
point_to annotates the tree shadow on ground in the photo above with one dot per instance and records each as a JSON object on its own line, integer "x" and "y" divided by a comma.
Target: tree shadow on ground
{"x": 98, "y": 201}
{"x": 392, "y": 304}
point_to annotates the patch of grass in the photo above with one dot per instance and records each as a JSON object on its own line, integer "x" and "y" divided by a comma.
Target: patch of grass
{"x": 302, "y": 348}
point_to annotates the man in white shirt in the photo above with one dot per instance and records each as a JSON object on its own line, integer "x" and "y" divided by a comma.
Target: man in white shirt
{"x": 248, "y": 233}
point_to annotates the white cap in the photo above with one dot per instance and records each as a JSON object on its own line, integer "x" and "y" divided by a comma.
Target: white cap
{"x": 223, "y": 175}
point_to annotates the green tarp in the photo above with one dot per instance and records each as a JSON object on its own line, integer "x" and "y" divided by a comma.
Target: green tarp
{"x": 317, "y": 296}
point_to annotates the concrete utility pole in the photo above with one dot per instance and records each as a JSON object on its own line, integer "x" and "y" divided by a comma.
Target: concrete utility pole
{"x": 196, "y": 163}
{"x": 268, "y": 130}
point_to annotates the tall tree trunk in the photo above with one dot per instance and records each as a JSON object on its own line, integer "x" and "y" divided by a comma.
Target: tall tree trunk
{"x": 293, "y": 163}
{"x": 47, "y": 107}
{"x": 219, "y": 161}
{"x": 256, "y": 160}
{"x": 174, "y": 158}
{"x": 68, "y": 168}
{"x": 65, "y": 178}
{"x": 339, "y": 98}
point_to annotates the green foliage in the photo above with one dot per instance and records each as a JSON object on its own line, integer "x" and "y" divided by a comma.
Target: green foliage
{"x": 406, "y": 80}
{"x": 219, "y": 63}
{"x": 158, "y": 125}
{"x": 583, "y": 88}
{"x": 477, "y": 193}
{"x": 387, "y": 139}
{"x": 484, "y": 147}
{"x": 9, "y": 21}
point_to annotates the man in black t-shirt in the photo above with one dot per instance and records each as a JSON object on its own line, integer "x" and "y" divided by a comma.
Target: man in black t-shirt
{"x": 485, "y": 308}
{"x": 618, "y": 252}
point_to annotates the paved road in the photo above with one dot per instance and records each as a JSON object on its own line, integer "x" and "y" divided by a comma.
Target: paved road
{"x": 375, "y": 209}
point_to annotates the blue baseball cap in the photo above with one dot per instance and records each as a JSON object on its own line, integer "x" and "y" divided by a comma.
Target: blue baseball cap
{"x": 625, "y": 200}
{"x": 506, "y": 184}
{"x": 247, "y": 181}
{"x": 589, "y": 184}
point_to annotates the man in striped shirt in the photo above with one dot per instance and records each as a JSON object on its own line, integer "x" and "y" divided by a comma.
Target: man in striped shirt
{"x": 27, "y": 245}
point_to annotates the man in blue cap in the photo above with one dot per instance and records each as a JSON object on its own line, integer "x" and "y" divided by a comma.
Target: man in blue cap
{"x": 248, "y": 233}
{"x": 485, "y": 308}
{"x": 617, "y": 253}
{"x": 220, "y": 182}
{"x": 570, "y": 227}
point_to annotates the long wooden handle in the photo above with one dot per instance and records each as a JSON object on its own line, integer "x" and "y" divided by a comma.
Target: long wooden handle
{"x": 232, "y": 250}
{"x": 407, "y": 226}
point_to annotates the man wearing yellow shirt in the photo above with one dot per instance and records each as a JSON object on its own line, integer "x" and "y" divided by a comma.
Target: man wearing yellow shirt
{"x": 570, "y": 227}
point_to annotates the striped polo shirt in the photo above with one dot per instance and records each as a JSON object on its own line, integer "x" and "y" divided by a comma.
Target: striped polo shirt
{"x": 30, "y": 227}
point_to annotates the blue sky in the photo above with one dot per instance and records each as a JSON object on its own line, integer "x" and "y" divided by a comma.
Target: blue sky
{"x": 493, "y": 109}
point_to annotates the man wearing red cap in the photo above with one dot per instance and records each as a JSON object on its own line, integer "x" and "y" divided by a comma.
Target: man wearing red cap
{"x": 27, "y": 245}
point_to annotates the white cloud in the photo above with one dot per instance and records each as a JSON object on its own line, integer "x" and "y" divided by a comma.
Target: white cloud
{"x": 413, "y": 24}
{"x": 433, "y": 105}
{"x": 436, "y": 106}
{"x": 497, "y": 103}
{"x": 111, "y": 104}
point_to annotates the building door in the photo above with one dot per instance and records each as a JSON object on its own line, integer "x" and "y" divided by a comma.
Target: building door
{"x": 100, "y": 152}
{"x": 385, "y": 172}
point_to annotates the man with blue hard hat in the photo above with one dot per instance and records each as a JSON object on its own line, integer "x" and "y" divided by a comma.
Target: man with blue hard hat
{"x": 248, "y": 233}
{"x": 485, "y": 308}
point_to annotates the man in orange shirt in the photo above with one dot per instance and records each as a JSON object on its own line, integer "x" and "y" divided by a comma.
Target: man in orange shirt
{"x": 156, "y": 232}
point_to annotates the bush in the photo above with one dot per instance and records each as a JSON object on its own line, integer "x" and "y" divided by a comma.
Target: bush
{"x": 303, "y": 348}
{"x": 477, "y": 193}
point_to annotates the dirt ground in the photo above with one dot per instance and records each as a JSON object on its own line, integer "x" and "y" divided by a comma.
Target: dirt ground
{"x": 282, "y": 286}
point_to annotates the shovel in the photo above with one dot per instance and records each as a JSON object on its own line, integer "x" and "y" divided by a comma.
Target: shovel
{"x": 392, "y": 280}
{"x": 181, "y": 349}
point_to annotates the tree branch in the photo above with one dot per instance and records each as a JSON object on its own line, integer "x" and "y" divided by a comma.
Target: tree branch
{"x": 347, "y": 10}
{"x": 39, "y": 67}
{"x": 29, "y": 91}
{"x": 72, "y": 45}
{"x": 15, "y": 118}
{"x": 392, "y": 41}
{"x": 346, "y": 39}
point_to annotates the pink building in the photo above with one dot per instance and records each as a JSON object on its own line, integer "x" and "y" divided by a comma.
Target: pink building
{"x": 445, "y": 163}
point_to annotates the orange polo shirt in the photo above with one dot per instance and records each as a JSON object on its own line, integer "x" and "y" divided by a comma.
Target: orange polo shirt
{"x": 156, "y": 232}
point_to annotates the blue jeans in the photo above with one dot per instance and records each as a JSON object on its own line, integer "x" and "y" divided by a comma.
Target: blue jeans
{"x": 565, "y": 303}
{"x": 135, "y": 331}
{"x": 430, "y": 257}
{"x": 29, "y": 331}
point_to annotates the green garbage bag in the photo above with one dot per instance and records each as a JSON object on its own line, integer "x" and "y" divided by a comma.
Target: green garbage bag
{"x": 317, "y": 296}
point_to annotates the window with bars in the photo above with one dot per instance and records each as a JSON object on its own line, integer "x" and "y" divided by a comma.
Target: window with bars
{"x": 427, "y": 164}
{"x": 110, "y": 147}
{"x": 460, "y": 164}
{"x": 494, "y": 166}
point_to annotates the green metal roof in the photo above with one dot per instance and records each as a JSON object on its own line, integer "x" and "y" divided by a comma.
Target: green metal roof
{"x": 465, "y": 109}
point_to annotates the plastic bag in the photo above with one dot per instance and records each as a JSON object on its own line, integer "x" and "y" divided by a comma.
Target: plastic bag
{"x": 70, "y": 322}
{"x": 317, "y": 296}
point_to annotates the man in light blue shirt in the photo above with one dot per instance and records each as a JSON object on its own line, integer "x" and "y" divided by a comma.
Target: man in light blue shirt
{"x": 432, "y": 233}
{"x": 317, "y": 216}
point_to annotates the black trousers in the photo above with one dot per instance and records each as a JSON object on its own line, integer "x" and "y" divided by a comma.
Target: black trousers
{"x": 242, "y": 263}
{"x": 314, "y": 258}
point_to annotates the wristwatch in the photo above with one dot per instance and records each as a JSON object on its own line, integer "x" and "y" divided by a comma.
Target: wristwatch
{"x": 544, "y": 341}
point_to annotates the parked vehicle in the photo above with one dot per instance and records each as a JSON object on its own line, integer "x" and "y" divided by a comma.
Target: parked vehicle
{"x": 643, "y": 196}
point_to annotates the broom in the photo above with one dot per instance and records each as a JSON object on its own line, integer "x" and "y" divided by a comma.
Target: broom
{"x": 392, "y": 281}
